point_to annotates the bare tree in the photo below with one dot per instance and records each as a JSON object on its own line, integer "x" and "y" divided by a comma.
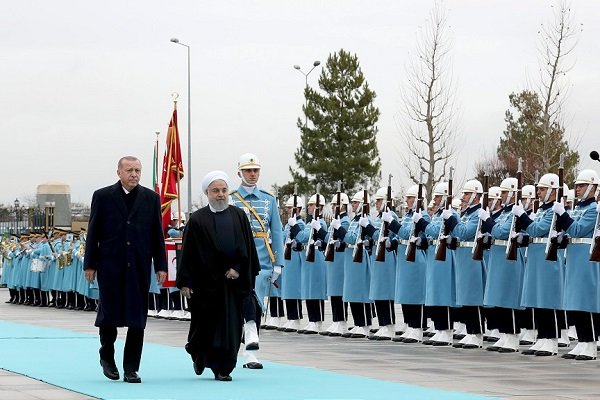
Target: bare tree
{"x": 556, "y": 43}
{"x": 428, "y": 126}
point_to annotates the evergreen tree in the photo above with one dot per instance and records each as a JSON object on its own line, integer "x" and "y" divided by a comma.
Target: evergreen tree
{"x": 538, "y": 142}
{"x": 339, "y": 141}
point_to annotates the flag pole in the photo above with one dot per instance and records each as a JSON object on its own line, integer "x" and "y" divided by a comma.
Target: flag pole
{"x": 155, "y": 172}
{"x": 178, "y": 161}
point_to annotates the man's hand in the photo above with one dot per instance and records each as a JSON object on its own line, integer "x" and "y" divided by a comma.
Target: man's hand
{"x": 387, "y": 217}
{"x": 447, "y": 213}
{"x": 417, "y": 216}
{"x": 363, "y": 221}
{"x": 161, "y": 276}
{"x": 90, "y": 275}
{"x": 232, "y": 274}
{"x": 276, "y": 272}
{"x": 484, "y": 214}
{"x": 518, "y": 210}
{"x": 336, "y": 223}
{"x": 315, "y": 224}
{"x": 187, "y": 292}
{"x": 558, "y": 207}
{"x": 292, "y": 221}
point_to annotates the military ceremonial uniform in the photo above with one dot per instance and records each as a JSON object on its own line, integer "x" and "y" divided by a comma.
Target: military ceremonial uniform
{"x": 291, "y": 281}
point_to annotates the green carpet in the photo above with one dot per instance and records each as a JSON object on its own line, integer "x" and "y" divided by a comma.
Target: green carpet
{"x": 70, "y": 360}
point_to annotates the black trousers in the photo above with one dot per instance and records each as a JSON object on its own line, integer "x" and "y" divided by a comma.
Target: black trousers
{"x": 441, "y": 317}
{"x": 525, "y": 318}
{"x": 339, "y": 309}
{"x": 414, "y": 315}
{"x": 587, "y": 325}
{"x": 315, "y": 310}
{"x": 293, "y": 307}
{"x": 503, "y": 319}
{"x": 472, "y": 317}
{"x": 549, "y": 322}
{"x": 361, "y": 314}
{"x": 385, "y": 312}
{"x": 132, "y": 353}
{"x": 276, "y": 307}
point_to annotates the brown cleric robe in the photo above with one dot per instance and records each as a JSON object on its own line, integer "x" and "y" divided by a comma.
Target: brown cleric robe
{"x": 212, "y": 244}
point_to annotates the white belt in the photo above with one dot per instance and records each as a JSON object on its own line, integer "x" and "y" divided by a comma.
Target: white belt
{"x": 581, "y": 240}
{"x": 434, "y": 242}
{"x": 501, "y": 242}
{"x": 466, "y": 244}
{"x": 539, "y": 240}
{"x": 404, "y": 241}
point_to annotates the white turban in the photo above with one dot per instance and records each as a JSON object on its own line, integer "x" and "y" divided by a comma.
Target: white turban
{"x": 214, "y": 176}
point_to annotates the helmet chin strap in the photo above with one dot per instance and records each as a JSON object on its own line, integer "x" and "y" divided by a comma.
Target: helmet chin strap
{"x": 244, "y": 181}
{"x": 586, "y": 193}
{"x": 508, "y": 198}
{"x": 471, "y": 198}
{"x": 526, "y": 205}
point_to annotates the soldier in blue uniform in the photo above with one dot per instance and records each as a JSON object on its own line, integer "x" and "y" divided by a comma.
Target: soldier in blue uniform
{"x": 440, "y": 295}
{"x": 469, "y": 273}
{"x": 291, "y": 282}
{"x": 263, "y": 214}
{"x": 313, "y": 273}
{"x": 504, "y": 277}
{"x": 335, "y": 269}
{"x": 582, "y": 297}
{"x": 383, "y": 273}
{"x": 357, "y": 273}
{"x": 543, "y": 280}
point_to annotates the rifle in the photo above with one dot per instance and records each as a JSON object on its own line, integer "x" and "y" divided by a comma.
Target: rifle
{"x": 477, "y": 253}
{"x": 384, "y": 232}
{"x": 357, "y": 255}
{"x": 287, "y": 253}
{"x": 310, "y": 251}
{"x": 442, "y": 243}
{"x": 595, "y": 246}
{"x": 330, "y": 250}
{"x": 411, "y": 247}
{"x": 511, "y": 248}
{"x": 536, "y": 201}
{"x": 553, "y": 242}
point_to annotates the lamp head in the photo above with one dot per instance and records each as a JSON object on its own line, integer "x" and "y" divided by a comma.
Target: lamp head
{"x": 17, "y": 203}
{"x": 316, "y": 63}
{"x": 174, "y": 40}
{"x": 296, "y": 66}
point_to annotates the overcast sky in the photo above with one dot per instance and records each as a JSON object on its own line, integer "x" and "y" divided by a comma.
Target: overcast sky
{"x": 84, "y": 83}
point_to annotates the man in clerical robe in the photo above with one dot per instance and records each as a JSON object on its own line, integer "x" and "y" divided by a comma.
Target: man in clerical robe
{"x": 217, "y": 270}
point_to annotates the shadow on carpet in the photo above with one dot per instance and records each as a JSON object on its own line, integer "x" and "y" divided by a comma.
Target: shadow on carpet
{"x": 70, "y": 360}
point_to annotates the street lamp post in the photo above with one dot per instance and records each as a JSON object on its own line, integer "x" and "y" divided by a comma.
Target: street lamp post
{"x": 189, "y": 168}
{"x": 315, "y": 65}
{"x": 17, "y": 206}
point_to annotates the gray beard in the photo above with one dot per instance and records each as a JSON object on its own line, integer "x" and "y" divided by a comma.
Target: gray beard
{"x": 218, "y": 205}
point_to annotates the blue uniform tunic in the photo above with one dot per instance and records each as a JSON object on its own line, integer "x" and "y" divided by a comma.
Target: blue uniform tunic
{"x": 291, "y": 282}
{"x": 44, "y": 253}
{"x": 469, "y": 273}
{"x": 410, "y": 276}
{"x": 582, "y": 275}
{"x": 335, "y": 268}
{"x": 357, "y": 276}
{"x": 32, "y": 278}
{"x": 265, "y": 206}
{"x": 383, "y": 274}
{"x": 313, "y": 274}
{"x": 440, "y": 276}
{"x": 504, "y": 282}
{"x": 543, "y": 281}
{"x": 69, "y": 274}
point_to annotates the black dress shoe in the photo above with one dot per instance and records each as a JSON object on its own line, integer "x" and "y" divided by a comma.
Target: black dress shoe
{"x": 528, "y": 352}
{"x": 198, "y": 369}
{"x": 253, "y": 365}
{"x": 583, "y": 357}
{"x": 507, "y": 350}
{"x": 223, "y": 378}
{"x": 110, "y": 370}
{"x": 569, "y": 356}
{"x": 427, "y": 342}
{"x": 439, "y": 343}
{"x": 492, "y": 348}
{"x": 458, "y": 345}
{"x": 410, "y": 340}
{"x": 132, "y": 377}
{"x": 398, "y": 339}
{"x": 252, "y": 346}
{"x": 544, "y": 353}
{"x": 470, "y": 346}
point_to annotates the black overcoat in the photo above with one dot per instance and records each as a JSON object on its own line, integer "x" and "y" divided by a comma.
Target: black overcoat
{"x": 121, "y": 246}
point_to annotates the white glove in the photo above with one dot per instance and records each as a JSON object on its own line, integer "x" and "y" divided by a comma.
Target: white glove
{"x": 315, "y": 224}
{"x": 292, "y": 221}
{"x": 558, "y": 207}
{"x": 417, "y": 217}
{"x": 276, "y": 273}
{"x": 387, "y": 217}
{"x": 598, "y": 208}
{"x": 318, "y": 243}
{"x": 363, "y": 221}
{"x": 336, "y": 223}
{"x": 366, "y": 242}
{"x": 388, "y": 243}
{"x": 447, "y": 213}
{"x": 532, "y": 216}
{"x": 518, "y": 209}
{"x": 483, "y": 214}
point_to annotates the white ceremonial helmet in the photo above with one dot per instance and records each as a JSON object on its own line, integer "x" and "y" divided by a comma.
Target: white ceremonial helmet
{"x": 180, "y": 216}
{"x": 412, "y": 191}
{"x": 343, "y": 199}
{"x": 313, "y": 200}
{"x": 495, "y": 193}
{"x": 441, "y": 189}
{"x": 472, "y": 186}
{"x": 588, "y": 176}
{"x": 359, "y": 197}
{"x": 528, "y": 192}
{"x": 381, "y": 194}
{"x": 248, "y": 161}
{"x": 510, "y": 185}
{"x": 290, "y": 201}
{"x": 548, "y": 181}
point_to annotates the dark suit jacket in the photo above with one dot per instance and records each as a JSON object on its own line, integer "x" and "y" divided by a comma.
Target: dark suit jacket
{"x": 121, "y": 246}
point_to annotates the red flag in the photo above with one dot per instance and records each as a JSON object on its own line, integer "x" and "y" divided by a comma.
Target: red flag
{"x": 172, "y": 171}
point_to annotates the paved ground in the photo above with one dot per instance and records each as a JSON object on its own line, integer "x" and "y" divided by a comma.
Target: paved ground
{"x": 510, "y": 376}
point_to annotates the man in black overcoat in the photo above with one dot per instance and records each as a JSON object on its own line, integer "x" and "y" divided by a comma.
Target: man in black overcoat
{"x": 124, "y": 238}
{"x": 217, "y": 270}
